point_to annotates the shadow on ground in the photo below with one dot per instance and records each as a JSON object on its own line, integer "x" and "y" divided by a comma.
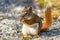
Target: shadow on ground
{"x": 53, "y": 32}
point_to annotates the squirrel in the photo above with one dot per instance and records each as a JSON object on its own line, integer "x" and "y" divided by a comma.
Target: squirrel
{"x": 29, "y": 18}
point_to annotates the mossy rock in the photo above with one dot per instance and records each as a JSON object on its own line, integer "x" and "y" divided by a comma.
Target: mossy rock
{"x": 5, "y": 39}
{"x": 27, "y": 38}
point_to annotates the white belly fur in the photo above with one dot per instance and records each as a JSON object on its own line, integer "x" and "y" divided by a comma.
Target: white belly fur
{"x": 30, "y": 29}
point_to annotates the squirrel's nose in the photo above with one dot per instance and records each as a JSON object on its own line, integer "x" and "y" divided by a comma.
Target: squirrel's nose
{"x": 21, "y": 20}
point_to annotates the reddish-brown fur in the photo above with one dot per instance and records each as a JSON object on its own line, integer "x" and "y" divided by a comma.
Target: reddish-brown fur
{"x": 37, "y": 19}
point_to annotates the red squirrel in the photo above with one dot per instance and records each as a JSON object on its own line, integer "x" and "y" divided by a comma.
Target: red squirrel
{"x": 29, "y": 19}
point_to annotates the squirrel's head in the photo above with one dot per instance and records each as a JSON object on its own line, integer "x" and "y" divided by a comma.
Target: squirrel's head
{"x": 27, "y": 11}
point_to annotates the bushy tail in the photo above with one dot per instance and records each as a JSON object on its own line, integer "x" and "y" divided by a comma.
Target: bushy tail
{"x": 48, "y": 20}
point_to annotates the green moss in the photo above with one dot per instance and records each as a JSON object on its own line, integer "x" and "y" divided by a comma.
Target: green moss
{"x": 5, "y": 39}
{"x": 27, "y": 38}
{"x": 41, "y": 1}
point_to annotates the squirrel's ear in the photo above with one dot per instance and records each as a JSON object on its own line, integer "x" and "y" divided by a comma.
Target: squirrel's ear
{"x": 29, "y": 8}
{"x": 25, "y": 7}
{"x": 41, "y": 18}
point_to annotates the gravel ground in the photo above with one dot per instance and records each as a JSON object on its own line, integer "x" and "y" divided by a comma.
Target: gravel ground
{"x": 9, "y": 26}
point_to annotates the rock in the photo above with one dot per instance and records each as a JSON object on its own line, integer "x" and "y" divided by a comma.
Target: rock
{"x": 59, "y": 18}
{"x": 1, "y": 17}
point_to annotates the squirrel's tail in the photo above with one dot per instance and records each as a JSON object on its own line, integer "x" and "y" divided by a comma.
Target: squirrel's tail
{"x": 48, "y": 20}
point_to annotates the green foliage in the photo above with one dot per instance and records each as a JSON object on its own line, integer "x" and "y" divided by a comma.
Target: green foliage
{"x": 58, "y": 6}
{"x": 41, "y": 1}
